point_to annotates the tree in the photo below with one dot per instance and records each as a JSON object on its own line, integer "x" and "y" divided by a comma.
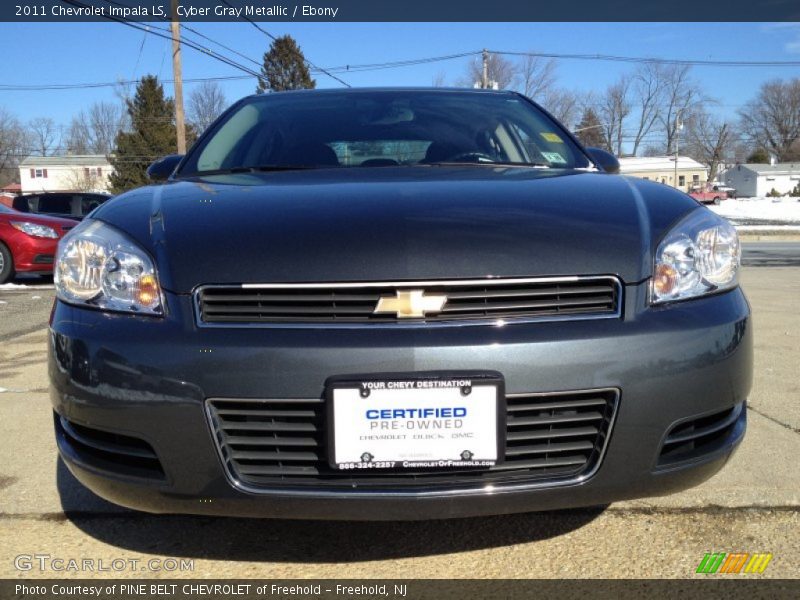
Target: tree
{"x": 13, "y": 146}
{"x": 537, "y": 76}
{"x": 284, "y": 68}
{"x": 772, "y": 119}
{"x": 648, "y": 88}
{"x": 615, "y": 106}
{"x": 43, "y": 136}
{"x": 439, "y": 80}
{"x": 708, "y": 140}
{"x": 562, "y": 103}
{"x": 759, "y": 155}
{"x": 94, "y": 130}
{"x": 151, "y": 135}
{"x": 681, "y": 97}
{"x": 590, "y": 130}
{"x": 502, "y": 71}
{"x": 206, "y": 103}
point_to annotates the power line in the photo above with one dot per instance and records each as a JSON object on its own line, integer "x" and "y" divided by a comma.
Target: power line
{"x": 161, "y": 33}
{"x": 400, "y": 63}
{"x": 71, "y": 86}
{"x": 273, "y": 38}
{"x": 665, "y": 61}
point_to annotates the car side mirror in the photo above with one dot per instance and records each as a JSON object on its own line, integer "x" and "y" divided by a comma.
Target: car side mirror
{"x": 161, "y": 169}
{"x": 604, "y": 159}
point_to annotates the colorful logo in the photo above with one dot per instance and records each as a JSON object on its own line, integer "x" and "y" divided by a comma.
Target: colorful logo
{"x": 742, "y": 562}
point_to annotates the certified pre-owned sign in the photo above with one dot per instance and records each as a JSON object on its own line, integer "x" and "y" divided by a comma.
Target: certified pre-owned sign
{"x": 443, "y": 422}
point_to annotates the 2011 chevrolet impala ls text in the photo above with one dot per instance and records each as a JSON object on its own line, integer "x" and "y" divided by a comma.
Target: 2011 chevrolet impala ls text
{"x": 396, "y": 304}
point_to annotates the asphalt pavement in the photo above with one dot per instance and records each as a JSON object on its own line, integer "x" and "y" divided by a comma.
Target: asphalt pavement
{"x": 752, "y": 505}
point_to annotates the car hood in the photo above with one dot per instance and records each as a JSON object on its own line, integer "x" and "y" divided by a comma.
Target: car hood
{"x": 389, "y": 224}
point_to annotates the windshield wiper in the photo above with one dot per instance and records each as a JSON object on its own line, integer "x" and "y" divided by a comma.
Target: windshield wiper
{"x": 445, "y": 163}
{"x": 253, "y": 169}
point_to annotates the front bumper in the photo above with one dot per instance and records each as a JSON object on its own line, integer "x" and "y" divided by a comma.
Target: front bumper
{"x": 150, "y": 378}
{"x": 33, "y": 254}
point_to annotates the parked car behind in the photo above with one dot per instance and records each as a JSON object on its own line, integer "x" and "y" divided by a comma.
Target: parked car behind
{"x": 72, "y": 205}
{"x": 28, "y": 243}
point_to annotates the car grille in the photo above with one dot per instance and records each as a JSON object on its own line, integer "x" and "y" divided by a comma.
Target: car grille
{"x": 699, "y": 436}
{"x": 551, "y": 438}
{"x": 111, "y": 452}
{"x": 355, "y": 302}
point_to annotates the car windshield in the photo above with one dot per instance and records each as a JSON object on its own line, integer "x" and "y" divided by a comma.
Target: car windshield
{"x": 381, "y": 129}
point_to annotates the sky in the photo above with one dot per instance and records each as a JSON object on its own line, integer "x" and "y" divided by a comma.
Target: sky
{"x": 58, "y": 53}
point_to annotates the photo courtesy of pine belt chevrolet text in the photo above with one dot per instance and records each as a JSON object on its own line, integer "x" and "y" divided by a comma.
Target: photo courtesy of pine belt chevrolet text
{"x": 396, "y": 304}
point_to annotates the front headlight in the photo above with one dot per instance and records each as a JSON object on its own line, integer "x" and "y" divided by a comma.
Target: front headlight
{"x": 701, "y": 255}
{"x": 35, "y": 230}
{"x": 98, "y": 266}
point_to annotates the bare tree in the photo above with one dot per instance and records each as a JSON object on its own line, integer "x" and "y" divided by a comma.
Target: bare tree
{"x": 681, "y": 97}
{"x": 13, "y": 146}
{"x": 708, "y": 140}
{"x": 647, "y": 87}
{"x": 565, "y": 105}
{"x": 43, "y": 136}
{"x": 772, "y": 119}
{"x": 537, "y": 76}
{"x": 439, "y": 79}
{"x": 614, "y": 108}
{"x": 94, "y": 130}
{"x": 501, "y": 71}
{"x": 206, "y": 102}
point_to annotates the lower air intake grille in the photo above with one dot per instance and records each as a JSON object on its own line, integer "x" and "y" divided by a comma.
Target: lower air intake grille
{"x": 282, "y": 443}
{"x": 438, "y": 301}
{"x": 108, "y": 451}
{"x": 703, "y": 435}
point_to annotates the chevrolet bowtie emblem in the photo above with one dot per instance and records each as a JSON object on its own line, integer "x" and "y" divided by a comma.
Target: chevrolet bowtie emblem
{"x": 409, "y": 304}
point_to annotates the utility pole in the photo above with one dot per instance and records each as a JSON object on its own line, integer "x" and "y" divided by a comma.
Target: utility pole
{"x": 485, "y": 74}
{"x": 678, "y": 126}
{"x": 180, "y": 124}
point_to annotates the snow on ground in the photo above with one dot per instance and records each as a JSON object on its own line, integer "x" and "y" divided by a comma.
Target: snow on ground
{"x": 755, "y": 210}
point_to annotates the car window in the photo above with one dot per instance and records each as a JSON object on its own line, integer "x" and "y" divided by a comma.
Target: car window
{"x": 383, "y": 128}
{"x": 91, "y": 201}
{"x": 60, "y": 204}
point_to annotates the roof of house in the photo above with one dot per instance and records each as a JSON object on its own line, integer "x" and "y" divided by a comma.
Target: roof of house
{"x": 776, "y": 169}
{"x": 70, "y": 160}
{"x": 633, "y": 164}
{"x": 11, "y": 187}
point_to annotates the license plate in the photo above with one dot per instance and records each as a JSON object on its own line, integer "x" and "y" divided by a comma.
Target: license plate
{"x": 442, "y": 422}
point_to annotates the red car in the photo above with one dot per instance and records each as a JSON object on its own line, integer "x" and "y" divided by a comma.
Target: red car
{"x": 28, "y": 242}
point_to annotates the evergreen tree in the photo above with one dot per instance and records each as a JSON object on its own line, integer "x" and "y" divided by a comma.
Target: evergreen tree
{"x": 590, "y": 130}
{"x": 284, "y": 68}
{"x": 759, "y": 155}
{"x": 152, "y": 135}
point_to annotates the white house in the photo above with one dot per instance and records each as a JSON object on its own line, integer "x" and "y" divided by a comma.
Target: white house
{"x": 71, "y": 173}
{"x": 760, "y": 179}
{"x": 662, "y": 170}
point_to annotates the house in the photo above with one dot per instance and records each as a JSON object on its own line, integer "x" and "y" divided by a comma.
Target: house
{"x": 662, "y": 170}
{"x": 752, "y": 180}
{"x": 71, "y": 173}
{"x": 8, "y": 192}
